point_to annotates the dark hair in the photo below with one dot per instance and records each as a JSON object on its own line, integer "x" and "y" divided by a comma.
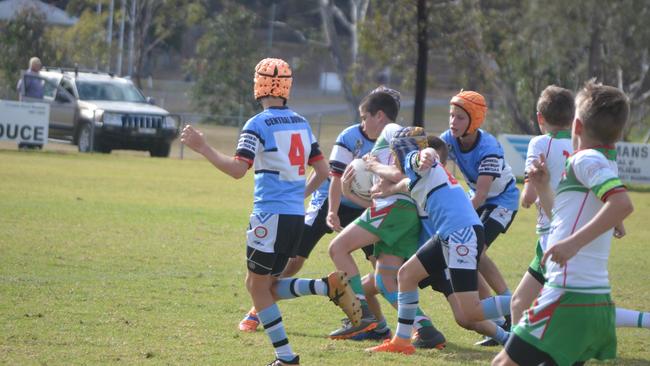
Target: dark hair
{"x": 603, "y": 110}
{"x": 440, "y": 146}
{"x": 557, "y": 106}
{"x": 380, "y": 101}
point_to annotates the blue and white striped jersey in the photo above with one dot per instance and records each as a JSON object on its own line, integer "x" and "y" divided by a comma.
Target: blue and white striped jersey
{"x": 438, "y": 193}
{"x": 279, "y": 144}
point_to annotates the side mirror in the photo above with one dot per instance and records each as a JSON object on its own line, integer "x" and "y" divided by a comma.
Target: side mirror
{"x": 151, "y": 100}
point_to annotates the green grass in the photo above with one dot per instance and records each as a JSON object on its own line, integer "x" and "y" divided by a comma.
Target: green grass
{"x": 124, "y": 259}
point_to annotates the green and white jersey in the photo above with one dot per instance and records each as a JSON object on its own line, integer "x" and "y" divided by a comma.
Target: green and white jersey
{"x": 556, "y": 148}
{"x": 382, "y": 151}
{"x": 590, "y": 176}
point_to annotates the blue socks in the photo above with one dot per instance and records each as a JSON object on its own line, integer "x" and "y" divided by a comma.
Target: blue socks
{"x": 407, "y": 305}
{"x": 496, "y": 306}
{"x": 274, "y": 328}
{"x": 290, "y": 288}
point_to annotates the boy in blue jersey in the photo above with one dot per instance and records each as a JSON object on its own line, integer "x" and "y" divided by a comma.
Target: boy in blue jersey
{"x": 448, "y": 262}
{"x": 328, "y": 211}
{"x": 573, "y": 318}
{"x": 279, "y": 144}
{"x": 391, "y": 223}
{"x": 494, "y": 194}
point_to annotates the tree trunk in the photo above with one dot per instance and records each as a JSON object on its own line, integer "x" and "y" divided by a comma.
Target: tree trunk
{"x": 334, "y": 47}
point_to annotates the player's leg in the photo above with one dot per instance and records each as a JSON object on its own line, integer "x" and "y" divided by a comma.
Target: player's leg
{"x": 335, "y": 285}
{"x": 314, "y": 229}
{"x": 627, "y": 318}
{"x": 496, "y": 220}
{"x": 410, "y": 274}
{"x": 259, "y": 282}
{"x": 530, "y": 285}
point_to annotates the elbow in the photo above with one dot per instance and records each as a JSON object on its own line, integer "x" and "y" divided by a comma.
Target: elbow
{"x": 628, "y": 209}
{"x": 238, "y": 174}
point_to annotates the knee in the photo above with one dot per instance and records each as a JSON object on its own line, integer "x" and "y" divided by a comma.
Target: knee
{"x": 406, "y": 276}
{"x": 464, "y": 322}
{"x": 333, "y": 249}
{"x": 293, "y": 266}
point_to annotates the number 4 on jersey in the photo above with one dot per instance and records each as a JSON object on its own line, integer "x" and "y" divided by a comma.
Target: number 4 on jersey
{"x": 297, "y": 153}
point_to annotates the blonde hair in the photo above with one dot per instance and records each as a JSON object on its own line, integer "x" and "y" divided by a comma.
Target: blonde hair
{"x": 34, "y": 60}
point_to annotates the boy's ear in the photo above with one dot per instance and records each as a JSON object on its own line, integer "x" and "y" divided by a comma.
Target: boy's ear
{"x": 578, "y": 127}
{"x": 540, "y": 119}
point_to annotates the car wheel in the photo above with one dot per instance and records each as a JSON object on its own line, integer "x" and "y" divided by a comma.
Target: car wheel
{"x": 85, "y": 136}
{"x": 160, "y": 150}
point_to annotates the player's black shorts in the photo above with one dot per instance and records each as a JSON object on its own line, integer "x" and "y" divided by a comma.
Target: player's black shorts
{"x": 452, "y": 267}
{"x": 271, "y": 240}
{"x": 496, "y": 220}
{"x": 313, "y": 233}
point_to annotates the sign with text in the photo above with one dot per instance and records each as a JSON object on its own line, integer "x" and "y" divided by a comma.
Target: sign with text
{"x": 633, "y": 160}
{"x": 24, "y": 122}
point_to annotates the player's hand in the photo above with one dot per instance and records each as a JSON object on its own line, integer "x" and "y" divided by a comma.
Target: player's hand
{"x": 538, "y": 174}
{"x": 561, "y": 252}
{"x": 383, "y": 188}
{"x": 193, "y": 138}
{"x": 334, "y": 222}
{"x": 619, "y": 231}
{"x": 348, "y": 176}
{"x": 427, "y": 158}
{"x": 371, "y": 162}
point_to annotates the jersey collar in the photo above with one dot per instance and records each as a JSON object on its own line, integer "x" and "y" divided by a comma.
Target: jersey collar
{"x": 608, "y": 150}
{"x": 561, "y": 134}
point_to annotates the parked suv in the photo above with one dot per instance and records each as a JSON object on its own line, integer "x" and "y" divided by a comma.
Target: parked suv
{"x": 84, "y": 104}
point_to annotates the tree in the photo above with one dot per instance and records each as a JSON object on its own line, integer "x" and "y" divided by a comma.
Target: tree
{"x": 346, "y": 65}
{"x": 224, "y": 63}
{"x": 20, "y": 39}
{"x": 157, "y": 23}
{"x": 83, "y": 44}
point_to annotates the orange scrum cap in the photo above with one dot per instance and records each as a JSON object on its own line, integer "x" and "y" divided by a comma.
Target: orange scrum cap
{"x": 474, "y": 104}
{"x": 272, "y": 78}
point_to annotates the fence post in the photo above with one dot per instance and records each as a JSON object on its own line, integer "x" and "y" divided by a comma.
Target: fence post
{"x": 182, "y": 125}
{"x": 92, "y": 131}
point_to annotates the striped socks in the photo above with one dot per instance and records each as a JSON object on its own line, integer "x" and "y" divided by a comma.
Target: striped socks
{"x": 274, "y": 328}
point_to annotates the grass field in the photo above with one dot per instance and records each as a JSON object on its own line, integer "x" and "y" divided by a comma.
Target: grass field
{"x": 124, "y": 259}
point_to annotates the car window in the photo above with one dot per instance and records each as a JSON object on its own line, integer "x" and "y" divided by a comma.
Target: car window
{"x": 63, "y": 96}
{"x": 113, "y": 91}
{"x": 65, "y": 84}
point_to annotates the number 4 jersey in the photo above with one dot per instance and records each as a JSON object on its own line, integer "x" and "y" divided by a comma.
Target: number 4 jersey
{"x": 279, "y": 144}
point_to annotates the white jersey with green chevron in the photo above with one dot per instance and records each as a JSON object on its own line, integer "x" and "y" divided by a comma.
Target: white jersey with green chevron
{"x": 382, "y": 151}
{"x": 590, "y": 176}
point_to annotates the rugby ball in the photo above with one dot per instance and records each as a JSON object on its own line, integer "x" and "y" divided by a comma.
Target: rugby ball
{"x": 362, "y": 182}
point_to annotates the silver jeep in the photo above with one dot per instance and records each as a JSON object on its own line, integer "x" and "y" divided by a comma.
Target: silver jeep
{"x": 101, "y": 112}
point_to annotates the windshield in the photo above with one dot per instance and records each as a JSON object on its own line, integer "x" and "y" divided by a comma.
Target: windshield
{"x": 114, "y": 91}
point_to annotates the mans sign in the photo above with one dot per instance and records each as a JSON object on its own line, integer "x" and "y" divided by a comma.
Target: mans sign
{"x": 24, "y": 122}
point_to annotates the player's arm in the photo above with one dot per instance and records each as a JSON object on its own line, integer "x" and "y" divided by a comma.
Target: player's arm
{"x": 230, "y": 165}
{"x": 389, "y": 172}
{"x": 387, "y": 188}
{"x": 540, "y": 178}
{"x": 334, "y": 202}
{"x": 616, "y": 208}
{"x": 483, "y": 184}
{"x": 528, "y": 195}
{"x": 321, "y": 170}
